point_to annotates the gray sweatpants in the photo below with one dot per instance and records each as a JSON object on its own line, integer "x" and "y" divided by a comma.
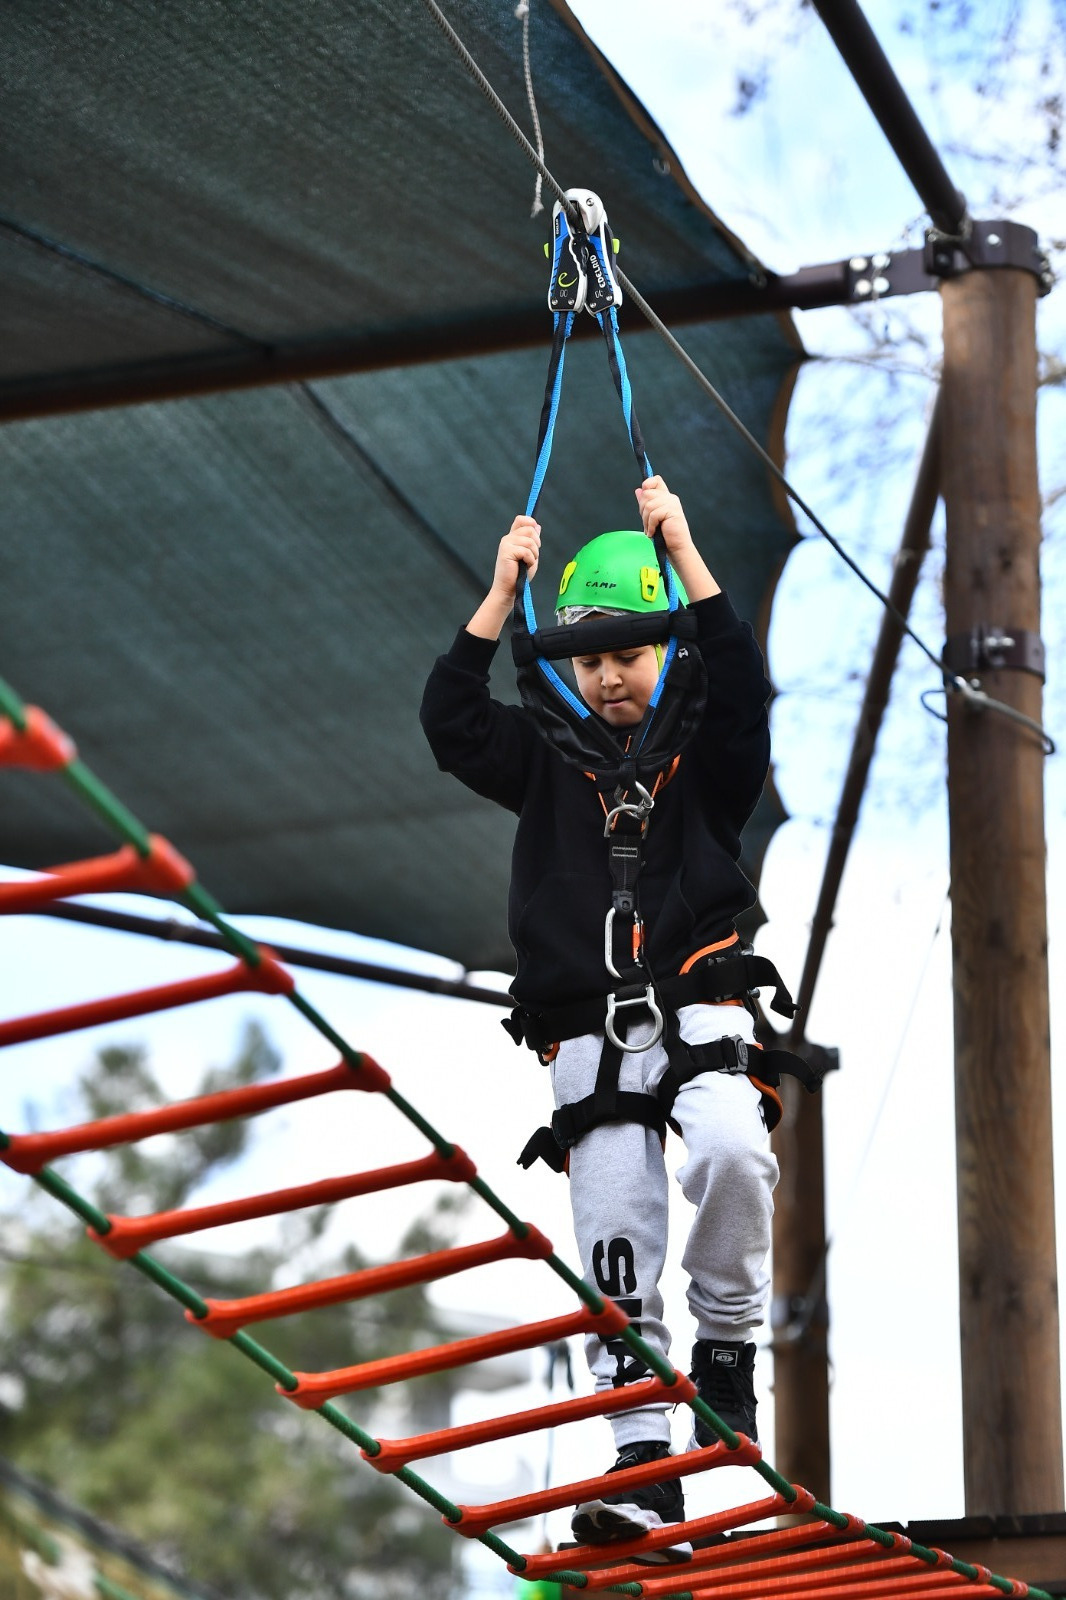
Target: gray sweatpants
{"x": 618, "y": 1192}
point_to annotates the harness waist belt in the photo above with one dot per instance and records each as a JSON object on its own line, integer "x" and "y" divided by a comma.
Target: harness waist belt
{"x": 731, "y": 978}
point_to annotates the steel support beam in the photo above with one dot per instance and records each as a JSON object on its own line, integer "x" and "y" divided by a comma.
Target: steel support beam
{"x": 246, "y": 365}
{"x": 171, "y": 930}
{"x": 885, "y": 95}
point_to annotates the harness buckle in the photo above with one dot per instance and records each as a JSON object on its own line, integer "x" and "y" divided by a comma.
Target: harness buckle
{"x": 735, "y": 1054}
{"x": 614, "y": 1005}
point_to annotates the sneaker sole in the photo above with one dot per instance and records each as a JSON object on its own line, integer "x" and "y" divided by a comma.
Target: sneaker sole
{"x": 606, "y": 1522}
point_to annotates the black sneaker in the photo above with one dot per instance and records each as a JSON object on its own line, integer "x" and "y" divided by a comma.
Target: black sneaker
{"x": 631, "y": 1512}
{"x": 724, "y": 1374}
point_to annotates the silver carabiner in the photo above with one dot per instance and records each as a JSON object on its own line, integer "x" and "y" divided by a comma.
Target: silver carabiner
{"x": 608, "y": 945}
{"x": 608, "y": 942}
{"x": 640, "y": 809}
{"x": 614, "y": 1005}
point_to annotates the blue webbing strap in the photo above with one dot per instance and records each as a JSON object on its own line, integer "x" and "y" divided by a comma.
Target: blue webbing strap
{"x": 559, "y": 684}
{"x": 551, "y": 411}
{"x": 608, "y": 322}
{"x": 563, "y": 327}
{"x": 668, "y": 656}
{"x": 620, "y": 372}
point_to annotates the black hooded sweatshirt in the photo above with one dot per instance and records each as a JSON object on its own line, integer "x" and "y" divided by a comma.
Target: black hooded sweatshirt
{"x": 691, "y": 887}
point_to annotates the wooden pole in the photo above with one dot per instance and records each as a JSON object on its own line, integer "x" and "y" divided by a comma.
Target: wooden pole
{"x": 799, "y": 1313}
{"x": 1008, "y": 1292}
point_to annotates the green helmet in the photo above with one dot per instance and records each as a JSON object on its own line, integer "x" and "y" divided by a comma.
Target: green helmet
{"x": 615, "y": 571}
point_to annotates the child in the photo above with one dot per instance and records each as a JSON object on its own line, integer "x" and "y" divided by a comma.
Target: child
{"x": 691, "y": 889}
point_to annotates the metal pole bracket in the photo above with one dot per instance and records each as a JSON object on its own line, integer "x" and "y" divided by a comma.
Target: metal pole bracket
{"x": 987, "y": 245}
{"x": 981, "y": 246}
{"x": 990, "y": 649}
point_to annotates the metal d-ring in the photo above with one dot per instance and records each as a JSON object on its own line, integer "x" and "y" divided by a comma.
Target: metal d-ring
{"x": 614, "y": 1005}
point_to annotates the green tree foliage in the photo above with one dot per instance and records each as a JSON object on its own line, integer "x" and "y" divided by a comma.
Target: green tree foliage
{"x": 109, "y": 1395}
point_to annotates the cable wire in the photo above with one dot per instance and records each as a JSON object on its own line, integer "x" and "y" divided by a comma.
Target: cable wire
{"x": 495, "y": 102}
{"x": 975, "y": 696}
{"x": 952, "y": 682}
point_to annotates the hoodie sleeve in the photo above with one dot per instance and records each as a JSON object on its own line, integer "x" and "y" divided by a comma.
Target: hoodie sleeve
{"x": 485, "y": 744}
{"x": 733, "y": 741}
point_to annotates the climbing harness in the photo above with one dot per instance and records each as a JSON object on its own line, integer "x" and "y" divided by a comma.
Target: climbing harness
{"x": 628, "y": 773}
{"x": 731, "y": 975}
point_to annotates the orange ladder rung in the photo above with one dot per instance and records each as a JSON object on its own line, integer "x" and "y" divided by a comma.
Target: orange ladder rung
{"x": 268, "y": 977}
{"x": 396, "y": 1453}
{"x": 884, "y": 1591}
{"x": 127, "y": 1235}
{"x": 719, "y": 1522}
{"x": 313, "y": 1388}
{"x": 477, "y": 1520}
{"x": 42, "y": 747}
{"x": 920, "y": 1586}
{"x": 225, "y": 1317}
{"x": 727, "y": 1555}
{"x": 163, "y": 871}
{"x": 980, "y": 1590}
{"x": 843, "y": 1585}
{"x": 29, "y": 1152}
{"x": 756, "y": 1559}
{"x": 771, "y": 1542}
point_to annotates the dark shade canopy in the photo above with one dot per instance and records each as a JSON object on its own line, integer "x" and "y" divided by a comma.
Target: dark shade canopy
{"x": 231, "y": 600}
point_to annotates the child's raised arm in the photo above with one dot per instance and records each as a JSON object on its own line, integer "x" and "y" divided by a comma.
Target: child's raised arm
{"x": 520, "y": 546}
{"x": 663, "y": 510}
